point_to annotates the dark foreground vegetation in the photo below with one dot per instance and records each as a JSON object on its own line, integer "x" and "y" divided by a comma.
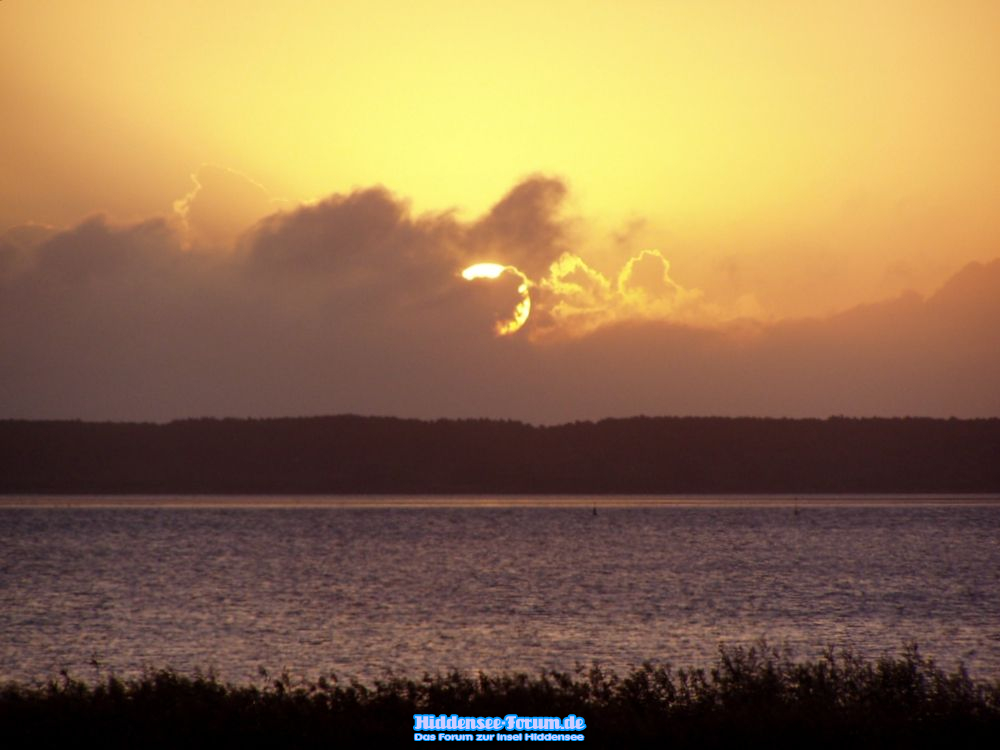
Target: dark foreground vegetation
{"x": 750, "y": 697}
{"x": 377, "y": 455}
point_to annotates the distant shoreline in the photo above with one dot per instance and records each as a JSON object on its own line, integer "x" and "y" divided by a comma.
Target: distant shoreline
{"x": 538, "y": 501}
{"x": 382, "y": 456}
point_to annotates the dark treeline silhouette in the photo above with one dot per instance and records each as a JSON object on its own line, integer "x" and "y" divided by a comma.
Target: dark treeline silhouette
{"x": 352, "y": 454}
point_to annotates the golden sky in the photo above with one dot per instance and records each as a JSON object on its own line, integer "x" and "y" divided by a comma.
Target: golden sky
{"x": 751, "y": 138}
{"x": 765, "y": 160}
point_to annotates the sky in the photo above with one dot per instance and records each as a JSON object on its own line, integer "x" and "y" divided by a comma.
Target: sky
{"x": 260, "y": 209}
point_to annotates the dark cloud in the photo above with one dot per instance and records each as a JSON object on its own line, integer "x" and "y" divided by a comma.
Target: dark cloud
{"x": 525, "y": 228}
{"x": 16, "y": 245}
{"x": 95, "y": 252}
{"x": 350, "y": 304}
{"x": 355, "y": 304}
{"x": 367, "y": 241}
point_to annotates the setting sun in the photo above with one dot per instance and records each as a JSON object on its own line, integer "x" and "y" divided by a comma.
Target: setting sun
{"x": 483, "y": 271}
{"x": 523, "y": 308}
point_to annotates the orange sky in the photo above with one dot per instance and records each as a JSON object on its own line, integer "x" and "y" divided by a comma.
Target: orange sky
{"x": 762, "y": 146}
{"x": 692, "y": 163}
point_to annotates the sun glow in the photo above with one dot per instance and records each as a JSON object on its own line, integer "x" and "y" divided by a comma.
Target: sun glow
{"x": 523, "y": 308}
{"x": 483, "y": 271}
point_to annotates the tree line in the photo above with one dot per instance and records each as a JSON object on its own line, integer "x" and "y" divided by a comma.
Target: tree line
{"x": 382, "y": 455}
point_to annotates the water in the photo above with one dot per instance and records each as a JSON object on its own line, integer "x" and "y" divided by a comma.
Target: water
{"x": 359, "y": 586}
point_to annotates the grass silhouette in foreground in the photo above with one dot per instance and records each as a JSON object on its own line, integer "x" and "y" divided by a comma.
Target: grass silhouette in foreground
{"x": 751, "y": 695}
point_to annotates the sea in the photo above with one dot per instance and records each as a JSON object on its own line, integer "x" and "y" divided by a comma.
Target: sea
{"x": 368, "y": 587}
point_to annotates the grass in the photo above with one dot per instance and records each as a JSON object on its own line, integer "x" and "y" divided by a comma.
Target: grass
{"x": 750, "y": 696}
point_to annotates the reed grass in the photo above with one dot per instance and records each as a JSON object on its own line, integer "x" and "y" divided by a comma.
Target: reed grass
{"x": 751, "y": 695}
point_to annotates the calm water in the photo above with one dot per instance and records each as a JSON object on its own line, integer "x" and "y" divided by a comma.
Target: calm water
{"x": 359, "y": 586}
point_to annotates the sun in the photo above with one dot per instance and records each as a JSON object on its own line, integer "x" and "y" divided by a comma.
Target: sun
{"x": 483, "y": 271}
{"x": 523, "y": 308}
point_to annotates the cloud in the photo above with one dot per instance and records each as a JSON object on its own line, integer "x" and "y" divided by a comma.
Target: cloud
{"x": 315, "y": 308}
{"x": 576, "y": 299}
{"x": 16, "y": 245}
{"x": 351, "y": 240}
{"x": 646, "y": 278}
{"x": 525, "y": 228}
{"x": 357, "y": 304}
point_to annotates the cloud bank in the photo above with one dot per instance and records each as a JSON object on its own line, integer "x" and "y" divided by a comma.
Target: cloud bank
{"x": 239, "y": 305}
